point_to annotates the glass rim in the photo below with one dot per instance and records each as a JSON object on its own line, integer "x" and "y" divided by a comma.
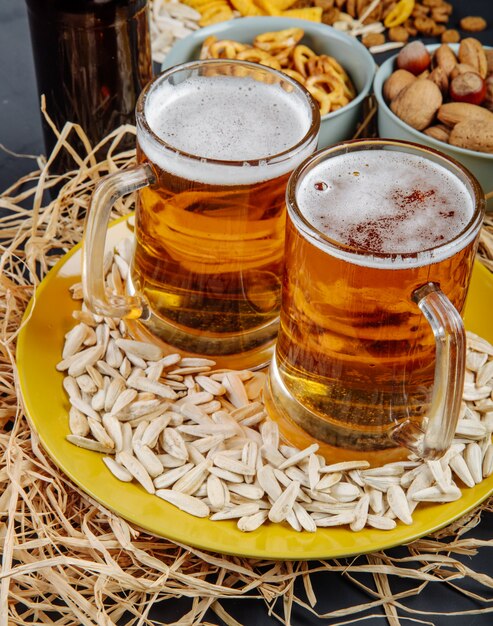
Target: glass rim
{"x": 285, "y": 155}
{"x": 355, "y": 253}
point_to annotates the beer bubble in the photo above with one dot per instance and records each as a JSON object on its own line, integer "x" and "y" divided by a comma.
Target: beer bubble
{"x": 321, "y": 186}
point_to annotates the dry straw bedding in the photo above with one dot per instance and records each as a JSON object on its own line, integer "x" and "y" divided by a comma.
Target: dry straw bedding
{"x": 62, "y": 551}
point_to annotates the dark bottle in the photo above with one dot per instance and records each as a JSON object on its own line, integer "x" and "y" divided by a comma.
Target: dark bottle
{"x": 92, "y": 59}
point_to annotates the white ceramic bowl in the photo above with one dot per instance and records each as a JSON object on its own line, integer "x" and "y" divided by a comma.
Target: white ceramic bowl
{"x": 323, "y": 39}
{"x": 480, "y": 164}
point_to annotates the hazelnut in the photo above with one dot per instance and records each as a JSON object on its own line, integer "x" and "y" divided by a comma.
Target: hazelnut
{"x": 414, "y": 58}
{"x": 468, "y": 87}
{"x": 461, "y": 68}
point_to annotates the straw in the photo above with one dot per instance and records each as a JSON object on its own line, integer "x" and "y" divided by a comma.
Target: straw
{"x": 66, "y": 559}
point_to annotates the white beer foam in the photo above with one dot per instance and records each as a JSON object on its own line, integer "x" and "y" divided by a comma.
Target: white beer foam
{"x": 387, "y": 202}
{"x": 227, "y": 119}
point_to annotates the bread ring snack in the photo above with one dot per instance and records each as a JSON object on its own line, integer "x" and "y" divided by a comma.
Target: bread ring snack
{"x": 225, "y": 49}
{"x": 258, "y": 56}
{"x": 333, "y": 91}
{"x": 322, "y": 75}
{"x": 276, "y": 41}
{"x": 301, "y": 55}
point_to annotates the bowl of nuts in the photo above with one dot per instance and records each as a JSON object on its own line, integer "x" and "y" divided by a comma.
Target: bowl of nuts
{"x": 441, "y": 96}
{"x": 334, "y": 67}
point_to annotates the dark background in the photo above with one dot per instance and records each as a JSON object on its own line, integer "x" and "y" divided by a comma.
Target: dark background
{"x": 20, "y": 132}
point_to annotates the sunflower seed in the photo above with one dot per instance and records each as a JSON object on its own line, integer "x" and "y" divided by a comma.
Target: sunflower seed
{"x": 173, "y": 443}
{"x": 344, "y": 466}
{"x": 438, "y": 474}
{"x": 159, "y": 389}
{"x": 376, "y": 501}
{"x": 88, "y": 444}
{"x": 184, "y": 502}
{"x": 270, "y": 434}
{"x": 435, "y": 494}
{"x": 250, "y": 492}
{"x": 235, "y": 390}
{"x": 78, "y": 423}
{"x": 340, "y": 519}
{"x": 166, "y": 479}
{"x": 474, "y": 458}
{"x": 114, "y": 429}
{"x": 459, "y": 467}
{"x": 487, "y": 466}
{"x": 83, "y": 359}
{"x": 137, "y": 470}
{"x": 74, "y": 340}
{"x": 345, "y": 492}
{"x": 360, "y": 513}
{"x": 284, "y": 503}
{"x": 475, "y": 360}
{"x": 249, "y": 523}
{"x": 328, "y": 481}
{"x": 398, "y": 503}
{"x": 192, "y": 480}
{"x": 84, "y": 407}
{"x": 296, "y": 458}
{"x": 268, "y": 482}
{"x": 117, "y": 469}
{"x": 272, "y": 455}
{"x": 380, "y": 522}
{"x": 236, "y": 512}
{"x": 470, "y": 429}
{"x": 485, "y": 374}
{"x": 148, "y": 459}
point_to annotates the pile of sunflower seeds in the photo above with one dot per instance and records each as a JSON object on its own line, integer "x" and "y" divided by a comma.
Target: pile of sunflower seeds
{"x": 170, "y": 20}
{"x": 200, "y": 438}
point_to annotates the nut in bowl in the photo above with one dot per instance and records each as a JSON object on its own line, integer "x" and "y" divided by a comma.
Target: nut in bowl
{"x": 348, "y": 52}
{"x": 441, "y": 96}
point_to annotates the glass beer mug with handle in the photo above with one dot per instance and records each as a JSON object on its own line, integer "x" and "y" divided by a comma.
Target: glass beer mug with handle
{"x": 216, "y": 143}
{"x": 380, "y": 243}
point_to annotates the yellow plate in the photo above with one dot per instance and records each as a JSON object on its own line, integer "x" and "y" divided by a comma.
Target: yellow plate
{"x": 39, "y": 349}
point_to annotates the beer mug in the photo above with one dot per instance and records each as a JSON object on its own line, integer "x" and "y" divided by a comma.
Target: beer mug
{"x": 216, "y": 143}
{"x": 380, "y": 244}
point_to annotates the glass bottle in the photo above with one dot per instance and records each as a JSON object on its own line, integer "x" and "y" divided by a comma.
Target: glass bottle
{"x": 92, "y": 59}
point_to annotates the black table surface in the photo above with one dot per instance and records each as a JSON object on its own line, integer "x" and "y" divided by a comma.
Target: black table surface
{"x": 20, "y": 132}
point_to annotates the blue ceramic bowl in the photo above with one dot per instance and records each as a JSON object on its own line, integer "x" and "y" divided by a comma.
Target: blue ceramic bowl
{"x": 323, "y": 39}
{"x": 480, "y": 164}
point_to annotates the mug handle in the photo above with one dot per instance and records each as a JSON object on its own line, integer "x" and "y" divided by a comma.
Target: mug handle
{"x": 97, "y": 298}
{"x": 450, "y": 342}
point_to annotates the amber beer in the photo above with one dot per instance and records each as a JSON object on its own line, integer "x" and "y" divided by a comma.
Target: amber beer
{"x": 366, "y": 228}
{"x": 210, "y": 230}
